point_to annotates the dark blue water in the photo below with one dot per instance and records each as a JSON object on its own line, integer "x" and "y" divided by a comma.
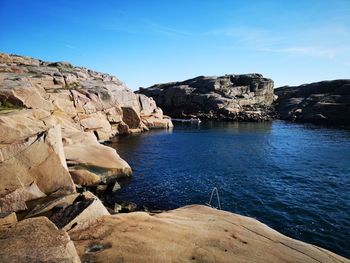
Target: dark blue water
{"x": 293, "y": 177}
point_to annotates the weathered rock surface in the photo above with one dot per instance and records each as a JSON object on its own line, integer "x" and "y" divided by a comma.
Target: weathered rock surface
{"x": 93, "y": 101}
{"x": 8, "y": 219}
{"x": 89, "y": 106}
{"x": 83, "y": 151}
{"x": 16, "y": 200}
{"x": 190, "y": 234}
{"x": 85, "y": 208}
{"x": 229, "y": 97}
{"x": 321, "y": 102}
{"x": 31, "y": 166}
{"x": 84, "y": 177}
{"x": 69, "y": 211}
{"x": 36, "y": 240}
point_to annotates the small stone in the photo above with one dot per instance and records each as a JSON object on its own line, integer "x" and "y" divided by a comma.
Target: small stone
{"x": 116, "y": 187}
{"x": 101, "y": 188}
{"x": 117, "y": 208}
{"x": 128, "y": 207}
{"x": 9, "y": 219}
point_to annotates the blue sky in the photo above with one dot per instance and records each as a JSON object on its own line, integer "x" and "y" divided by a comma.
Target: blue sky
{"x": 147, "y": 42}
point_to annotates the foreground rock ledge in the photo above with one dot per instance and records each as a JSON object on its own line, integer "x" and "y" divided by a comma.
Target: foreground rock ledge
{"x": 190, "y": 234}
{"x": 36, "y": 240}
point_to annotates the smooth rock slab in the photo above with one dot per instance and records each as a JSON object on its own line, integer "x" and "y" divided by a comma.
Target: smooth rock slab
{"x": 190, "y": 234}
{"x": 83, "y": 150}
{"x": 37, "y": 159}
{"x": 36, "y": 240}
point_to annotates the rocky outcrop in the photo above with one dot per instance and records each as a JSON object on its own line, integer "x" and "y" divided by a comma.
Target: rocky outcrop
{"x": 36, "y": 240}
{"x": 32, "y": 160}
{"x": 52, "y": 116}
{"x": 43, "y": 104}
{"x": 192, "y": 233}
{"x": 84, "y": 151}
{"x": 325, "y": 102}
{"x": 78, "y": 97}
{"x": 229, "y": 97}
{"x": 69, "y": 211}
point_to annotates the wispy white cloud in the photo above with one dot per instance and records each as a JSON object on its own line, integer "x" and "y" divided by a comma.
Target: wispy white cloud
{"x": 164, "y": 30}
{"x": 69, "y": 46}
{"x": 144, "y": 26}
{"x": 313, "y": 51}
{"x": 245, "y": 35}
{"x": 326, "y": 42}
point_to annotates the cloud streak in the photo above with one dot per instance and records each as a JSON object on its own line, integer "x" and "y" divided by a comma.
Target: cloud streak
{"x": 328, "y": 42}
{"x": 313, "y": 51}
{"x": 143, "y": 26}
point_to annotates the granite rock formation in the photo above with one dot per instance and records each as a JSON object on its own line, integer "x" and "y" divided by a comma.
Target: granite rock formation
{"x": 80, "y": 98}
{"x": 230, "y": 97}
{"x": 52, "y": 116}
{"x": 36, "y": 240}
{"x": 326, "y": 102}
{"x": 190, "y": 234}
{"x": 51, "y": 113}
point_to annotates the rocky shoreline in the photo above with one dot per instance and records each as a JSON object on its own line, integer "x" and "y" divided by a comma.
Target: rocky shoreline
{"x": 55, "y": 175}
{"x": 231, "y": 97}
{"x": 251, "y": 97}
{"x": 325, "y": 102}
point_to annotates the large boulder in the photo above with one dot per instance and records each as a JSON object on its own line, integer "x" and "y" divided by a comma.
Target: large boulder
{"x": 84, "y": 177}
{"x": 69, "y": 211}
{"x": 321, "y": 102}
{"x": 192, "y": 233}
{"x": 16, "y": 200}
{"x": 31, "y": 166}
{"x": 225, "y": 97}
{"x": 21, "y": 124}
{"x": 36, "y": 240}
{"x": 83, "y": 151}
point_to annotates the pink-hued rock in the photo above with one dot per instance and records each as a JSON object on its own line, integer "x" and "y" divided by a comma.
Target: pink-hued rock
{"x": 83, "y": 150}
{"x": 31, "y": 167}
{"x": 190, "y": 234}
{"x": 91, "y": 99}
{"x": 36, "y": 240}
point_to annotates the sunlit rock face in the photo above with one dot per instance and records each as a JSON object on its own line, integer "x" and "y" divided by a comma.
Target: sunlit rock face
{"x": 321, "y": 102}
{"x": 80, "y": 98}
{"x": 36, "y": 240}
{"x": 229, "y": 97}
{"x": 190, "y": 234}
{"x": 88, "y": 106}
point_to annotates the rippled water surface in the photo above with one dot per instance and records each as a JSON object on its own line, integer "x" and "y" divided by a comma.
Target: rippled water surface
{"x": 293, "y": 177}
